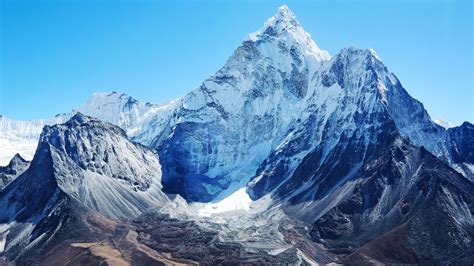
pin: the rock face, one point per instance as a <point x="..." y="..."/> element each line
<point x="15" y="168"/>
<point x="402" y="188"/>
<point x="347" y="121"/>
<point x="89" y="154"/>
<point x="462" y="143"/>
<point x="83" y="163"/>
<point x="461" y="148"/>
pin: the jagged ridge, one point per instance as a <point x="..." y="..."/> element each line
<point x="84" y="163"/>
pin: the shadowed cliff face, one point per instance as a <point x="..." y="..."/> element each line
<point x="402" y="187"/>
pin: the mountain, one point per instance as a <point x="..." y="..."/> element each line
<point x="336" y="141"/>
<point x="461" y="148"/>
<point x="84" y="163"/>
<point x="285" y="155"/>
<point x="91" y="196"/>
<point x="225" y="128"/>
<point x="141" y="121"/>
<point x="15" y="168"/>
<point x="418" y="209"/>
<point x="279" y="86"/>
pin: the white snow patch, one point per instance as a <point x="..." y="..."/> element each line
<point x="3" y="236"/>
<point x="277" y="251"/>
<point x="305" y="259"/>
<point x="239" y="200"/>
<point x="440" y="121"/>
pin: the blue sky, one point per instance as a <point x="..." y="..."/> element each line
<point x="55" y="54"/>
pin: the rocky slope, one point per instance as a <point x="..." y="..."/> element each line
<point x="461" y="148"/>
<point x="84" y="163"/>
<point x="404" y="189"/>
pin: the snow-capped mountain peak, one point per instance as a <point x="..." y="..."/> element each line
<point x="283" y="18"/>
<point x="116" y="108"/>
<point x="16" y="160"/>
<point x="284" y="26"/>
<point x="141" y="121"/>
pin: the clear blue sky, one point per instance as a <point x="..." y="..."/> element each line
<point x="54" y="54"/>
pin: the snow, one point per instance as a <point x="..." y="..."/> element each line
<point x="3" y="236"/>
<point x="440" y="121"/>
<point x="23" y="231"/>
<point x="21" y="136"/>
<point x="305" y="260"/>
<point x="239" y="200"/>
<point x="142" y="122"/>
<point x="267" y="119"/>
<point x="2" y="244"/>
<point x="246" y="109"/>
<point x="8" y="149"/>
<point x="290" y="30"/>
<point x="470" y="167"/>
<point x="248" y="112"/>
<point x="458" y="207"/>
<point x="466" y="169"/>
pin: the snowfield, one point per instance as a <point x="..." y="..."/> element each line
<point x="239" y="200"/>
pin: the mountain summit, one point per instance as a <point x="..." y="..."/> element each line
<point x="278" y="86"/>
<point x="285" y="27"/>
<point x="241" y="113"/>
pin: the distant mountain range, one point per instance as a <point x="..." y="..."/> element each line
<point x="285" y="155"/>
